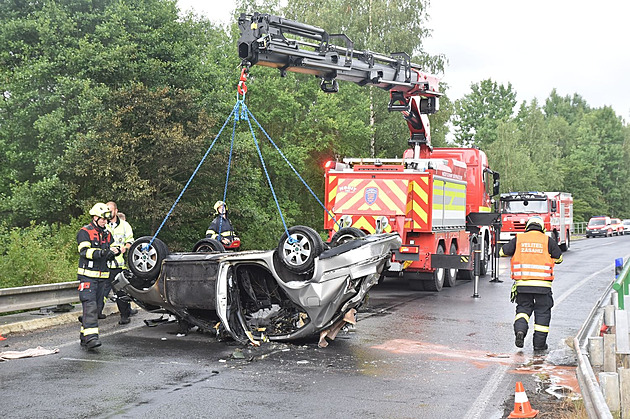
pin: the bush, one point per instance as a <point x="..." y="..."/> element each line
<point x="38" y="254"/>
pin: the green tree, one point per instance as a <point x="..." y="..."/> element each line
<point x="479" y="112"/>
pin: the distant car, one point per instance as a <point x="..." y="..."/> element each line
<point x="301" y="288"/>
<point x="617" y="226"/>
<point x="599" y="226"/>
<point x="626" y="226"/>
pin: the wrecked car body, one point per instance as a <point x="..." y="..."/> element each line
<point x="303" y="288"/>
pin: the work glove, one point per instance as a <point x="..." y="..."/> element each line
<point x="109" y="255"/>
<point x="513" y="293"/>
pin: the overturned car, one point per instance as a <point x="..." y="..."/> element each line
<point x="302" y="288"/>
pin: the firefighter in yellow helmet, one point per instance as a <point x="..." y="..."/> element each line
<point x="221" y="227"/>
<point x="94" y="246"/>
<point x="533" y="257"/>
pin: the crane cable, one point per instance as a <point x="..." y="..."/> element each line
<point x="240" y="111"/>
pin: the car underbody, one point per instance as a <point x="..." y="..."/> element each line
<point x="301" y="289"/>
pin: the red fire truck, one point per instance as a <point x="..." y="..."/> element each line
<point x="437" y="199"/>
<point x="555" y="208"/>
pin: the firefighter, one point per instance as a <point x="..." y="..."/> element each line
<point x="122" y="234"/>
<point x="94" y="245"/>
<point x="221" y="225"/>
<point x="533" y="257"/>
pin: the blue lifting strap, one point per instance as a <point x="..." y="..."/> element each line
<point x="240" y="111"/>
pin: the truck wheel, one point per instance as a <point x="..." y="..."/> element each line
<point x="566" y="245"/>
<point x="451" y="274"/>
<point x="208" y="245"/>
<point x="299" y="250"/>
<point x="437" y="281"/>
<point x="483" y="266"/>
<point x="345" y="235"/>
<point x="145" y="261"/>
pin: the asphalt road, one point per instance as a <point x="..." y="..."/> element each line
<point x="413" y="354"/>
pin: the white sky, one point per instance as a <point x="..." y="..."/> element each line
<point x="576" y="46"/>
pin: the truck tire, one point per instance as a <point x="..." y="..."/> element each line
<point x="567" y="244"/>
<point x="300" y="248"/>
<point x="346" y="234"/>
<point x="483" y="267"/>
<point x="437" y="278"/>
<point x="145" y="261"/>
<point x="451" y="274"/>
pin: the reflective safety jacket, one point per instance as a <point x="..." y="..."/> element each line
<point x="220" y="226"/>
<point x="532" y="264"/>
<point x="93" y="244"/>
<point x="122" y="234"/>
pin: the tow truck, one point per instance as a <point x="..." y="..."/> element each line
<point x="437" y="199"/>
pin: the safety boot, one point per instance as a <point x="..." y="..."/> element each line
<point x="542" y="348"/>
<point x="124" y="320"/>
<point x="92" y="342"/>
<point x="520" y="339"/>
<point x="82" y="339"/>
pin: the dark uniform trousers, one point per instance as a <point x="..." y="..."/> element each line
<point x="124" y="307"/>
<point x="540" y="305"/>
<point x="90" y="290"/>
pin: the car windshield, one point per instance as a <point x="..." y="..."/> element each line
<point x="525" y="206"/>
<point x="597" y="222"/>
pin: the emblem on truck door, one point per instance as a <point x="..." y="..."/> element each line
<point x="371" y="194"/>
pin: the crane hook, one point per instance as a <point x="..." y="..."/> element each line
<point x="242" y="87"/>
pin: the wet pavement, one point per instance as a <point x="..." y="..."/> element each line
<point x="413" y="354"/>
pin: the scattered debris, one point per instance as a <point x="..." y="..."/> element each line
<point x="28" y="353"/>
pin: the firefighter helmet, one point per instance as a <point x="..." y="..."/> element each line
<point x="218" y="205"/>
<point x="101" y="210"/>
<point x="535" y="223"/>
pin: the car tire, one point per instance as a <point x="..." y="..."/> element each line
<point x="146" y="262"/>
<point x="208" y="246"/>
<point x="345" y="235"/>
<point x="437" y="278"/>
<point x="300" y="248"/>
<point x="451" y="274"/>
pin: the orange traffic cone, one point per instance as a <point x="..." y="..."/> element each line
<point x="522" y="409"/>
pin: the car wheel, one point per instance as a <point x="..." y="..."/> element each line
<point x="437" y="281"/>
<point x="451" y="274"/>
<point x="145" y="261"/>
<point x="300" y="248"/>
<point x="208" y="245"/>
<point x="345" y="235"/>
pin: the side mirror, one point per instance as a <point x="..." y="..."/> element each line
<point x="496" y="184"/>
<point x="554" y="206"/>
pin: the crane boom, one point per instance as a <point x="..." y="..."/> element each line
<point x="415" y="94"/>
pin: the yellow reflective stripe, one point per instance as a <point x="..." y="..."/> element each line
<point x="84" y="244"/>
<point x="522" y="316"/>
<point x="90" y="331"/>
<point x="93" y="274"/>
<point x="226" y="233"/>
<point x="90" y="253"/>
<point x="484" y="209"/>
<point x="541" y="328"/>
<point x="533" y="283"/>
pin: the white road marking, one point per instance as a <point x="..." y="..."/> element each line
<point x="487" y="393"/>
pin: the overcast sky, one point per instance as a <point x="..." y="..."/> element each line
<point x="576" y="46"/>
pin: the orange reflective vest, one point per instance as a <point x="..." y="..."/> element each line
<point x="532" y="264"/>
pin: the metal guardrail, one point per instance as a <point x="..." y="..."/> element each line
<point x="594" y="401"/>
<point x="579" y="228"/>
<point x="38" y="296"/>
